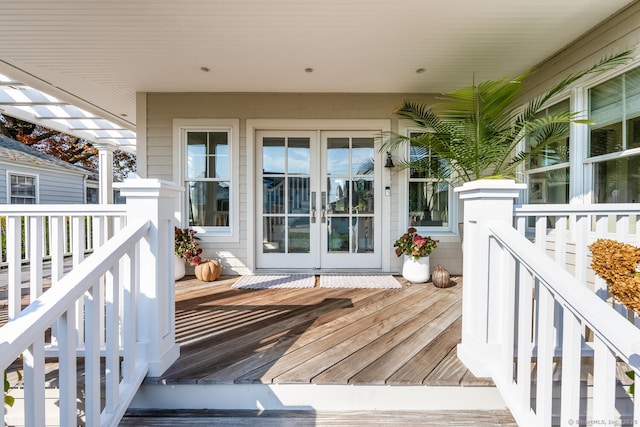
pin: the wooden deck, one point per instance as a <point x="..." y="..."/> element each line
<point x="402" y="336"/>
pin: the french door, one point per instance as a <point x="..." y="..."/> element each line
<point x="318" y="200"/>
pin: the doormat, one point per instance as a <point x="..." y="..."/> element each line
<point x="275" y="281"/>
<point x="358" y="281"/>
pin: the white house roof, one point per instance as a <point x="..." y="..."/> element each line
<point x="97" y="55"/>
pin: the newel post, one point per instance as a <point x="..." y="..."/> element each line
<point x="155" y="200"/>
<point x="484" y="201"/>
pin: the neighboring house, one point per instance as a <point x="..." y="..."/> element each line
<point x="274" y="180"/>
<point x="28" y="176"/>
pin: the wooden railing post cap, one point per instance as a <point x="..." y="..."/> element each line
<point x="133" y="187"/>
<point x="490" y="188"/>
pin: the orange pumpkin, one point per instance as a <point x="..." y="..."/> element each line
<point x="209" y="270"/>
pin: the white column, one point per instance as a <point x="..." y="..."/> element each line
<point x="105" y="171"/>
<point x="484" y="201"/>
<point x="156" y="200"/>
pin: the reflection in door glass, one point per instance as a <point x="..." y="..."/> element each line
<point x="273" y="235"/>
<point x="362" y="156"/>
<point x="362" y="196"/>
<point x="338" y="234"/>
<point x="298" y="195"/>
<point x="338" y="156"/>
<point x="273" y="195"/>
<point x="338" y="195"/>
<point x="362" y="234"/>
<point x="273" y="155"/>
<point x="299" y="156"/>
<point x="299" y="237"/>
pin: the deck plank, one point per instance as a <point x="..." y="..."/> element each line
<point x="336" y="349"/>
<point x="420" y="365"/>
<point x="388" y="338"/>
<point x="449" y="371"/>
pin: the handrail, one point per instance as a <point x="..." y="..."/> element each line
<point x="584" y="209"/>
<point x="33" y="321"/>
<point x="612" y="328"/>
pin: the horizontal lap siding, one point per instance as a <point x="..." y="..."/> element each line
<point x="53" y="188"/>
<point x="162" y="108"/>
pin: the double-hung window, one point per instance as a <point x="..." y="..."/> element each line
<point x="429" y="195"/>
<point x="23" y="189"/>
<point x="548" y="168"/>
<point x="614" y="145"/>
<point x="210" y="176"/>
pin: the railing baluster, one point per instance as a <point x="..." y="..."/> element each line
<point x="66" y="338"/>
<point x="77" y="250"/>
<point x="14" y="259"/>
<point x="544" y="361"/>
<point x="99" y="238"/>
<point x="129" y="308"/>
<point x="34" y="397"/>
<point x="92" y="357"/>
<point x="112" y="360"/>
<point x="571" y="354"/>
<point x="604" y="381"/>
<point x="35" y="265"/>
<point x="525" y="346"/>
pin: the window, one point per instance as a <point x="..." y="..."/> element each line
<point x="207" y="178"/>
<point x="548" y="168"/>
<point x="429" y="196"/>
<point x="614" y="145"/>
<point x="23" y="189"/>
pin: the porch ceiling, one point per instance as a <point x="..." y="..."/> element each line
<point x="97" y="55"/>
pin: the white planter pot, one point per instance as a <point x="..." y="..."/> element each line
<point x="179" y="268"/>
<point x="416" y="270"/>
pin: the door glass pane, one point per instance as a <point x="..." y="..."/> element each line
<point x="273" y="235"/>
<point x="362" y="156"/>
<point x="363" y="234"/>
<point x="273" y="156"/>
<point x="338" y="156"/>
<point x="273" y="195"/>
<point x="338" y="234"/>
<point x="362" y="201"/>
<point x="338" y="195"/>
<point x="299" y="156"/>
<point x="299" y="235"/>
<point x="299" y="195"/>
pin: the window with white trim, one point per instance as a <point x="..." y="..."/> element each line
<point x="23" y="189"/>
<point x="614" y="143"/>
<point x="208" y="178"/>
<point x="429" y="197"/>
<point x="547" y="169"/>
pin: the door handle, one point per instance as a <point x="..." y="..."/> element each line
<point x="323" y="212"/>
<point x="313" y="207"/>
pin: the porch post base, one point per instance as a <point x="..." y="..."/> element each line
<point x="158" y="367"/>
<point x="476" y="358"/>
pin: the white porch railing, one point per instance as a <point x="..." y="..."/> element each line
<point x="554" y="348"/>
<point x="117" y="304"/>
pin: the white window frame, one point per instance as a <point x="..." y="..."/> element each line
<point x="406" y="127"/>
<point x="584" y="163"/>
<point x="181" y="127"/>
<point x="35" y="177"/>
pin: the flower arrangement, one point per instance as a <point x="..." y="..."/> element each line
<point x="415" y="245"/>
<point x="186" y="245"/>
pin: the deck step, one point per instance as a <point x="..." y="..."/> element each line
<point x="142" y="418"/>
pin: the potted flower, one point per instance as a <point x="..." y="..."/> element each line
<point x="416" y="250"/>
<point x="185" y="248"/>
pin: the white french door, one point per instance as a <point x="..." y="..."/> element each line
<point x="318" y="200"/>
